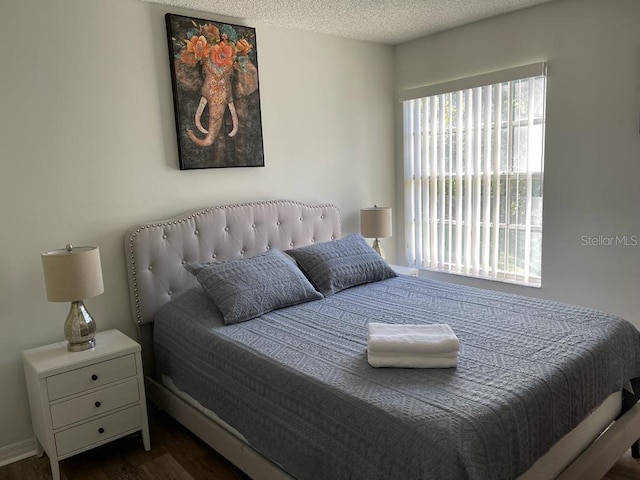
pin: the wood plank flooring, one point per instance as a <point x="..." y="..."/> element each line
<point x="176" y="454"/>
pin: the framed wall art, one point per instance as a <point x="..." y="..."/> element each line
<point x="216" y="96"/>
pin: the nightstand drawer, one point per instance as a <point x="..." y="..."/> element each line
<point x="87" y="434"/>
<point x="96" y="375"/>
<point x="94" y="403"/>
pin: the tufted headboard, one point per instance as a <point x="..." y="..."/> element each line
<point x="157" y="251"/>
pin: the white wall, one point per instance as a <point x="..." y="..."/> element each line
<point x="592" y="162"/>
<point x="88" y="148"/>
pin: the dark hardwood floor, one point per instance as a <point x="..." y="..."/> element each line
<point x="176" y="454"/>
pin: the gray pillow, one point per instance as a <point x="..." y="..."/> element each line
<point x="247" y="288"/>
<point x="338" y="264"/>
<point x="196" y="268"/>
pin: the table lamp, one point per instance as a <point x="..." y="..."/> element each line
<point x="375" y="222"/>
<point x="71" y="275"/>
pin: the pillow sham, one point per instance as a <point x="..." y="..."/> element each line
<point x="247" y="288"/>
<point x="338" y="264"/>
<point x="195" y="268"/>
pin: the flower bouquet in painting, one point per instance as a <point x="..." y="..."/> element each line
<point x="214" y="70"/>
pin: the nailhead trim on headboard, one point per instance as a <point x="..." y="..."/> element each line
<point x="156" y="252"/>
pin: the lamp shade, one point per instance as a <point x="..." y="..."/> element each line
<point x="375" y="222"/>
<point x="72" y="274"/>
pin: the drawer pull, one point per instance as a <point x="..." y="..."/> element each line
<point x="94" y="377"/>
<point x="98" y="404"/>
<point x="101" y="430"/>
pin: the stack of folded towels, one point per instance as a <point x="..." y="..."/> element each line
<point x="412" y="346"/>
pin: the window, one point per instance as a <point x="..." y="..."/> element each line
<point x="474" y="173"/>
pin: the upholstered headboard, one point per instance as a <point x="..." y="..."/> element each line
<point x="156" y="252"/>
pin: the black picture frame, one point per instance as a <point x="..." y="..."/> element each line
<point x="216" y="94"/>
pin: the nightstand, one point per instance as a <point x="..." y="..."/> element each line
<point x="80" y="400"/>
<point x="402" y="270"/>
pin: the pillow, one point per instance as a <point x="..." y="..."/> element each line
<point x="247" y="288"/>
<point x="196" y="268"/>
<point x="338" y="264"/>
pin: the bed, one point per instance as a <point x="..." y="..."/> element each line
<point x="289" y="394"/>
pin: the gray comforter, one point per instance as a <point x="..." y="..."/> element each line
<point x="296" y="382"/>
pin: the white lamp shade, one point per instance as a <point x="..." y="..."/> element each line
<point x="375" y="222"/>
<point x="72" y="274"/>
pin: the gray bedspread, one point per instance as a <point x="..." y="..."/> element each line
<point x="296" y="382"/>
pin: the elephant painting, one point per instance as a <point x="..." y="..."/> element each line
<point x="216" y="96"/>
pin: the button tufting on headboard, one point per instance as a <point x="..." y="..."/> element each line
<point x="157" y="252"/>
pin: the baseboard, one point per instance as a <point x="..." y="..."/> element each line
<point x="17" y="451"/>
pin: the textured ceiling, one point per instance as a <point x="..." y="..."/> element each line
<point x="383" y="21"/>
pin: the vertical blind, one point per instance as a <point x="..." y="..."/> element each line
<point x="474" y="175"/>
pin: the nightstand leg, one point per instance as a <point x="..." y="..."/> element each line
<point x="55" y="469"/>
<point x="146" y="440"/>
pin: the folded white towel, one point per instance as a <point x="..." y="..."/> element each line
<point x="413" y="360"/>
<point x="412" y="339"/>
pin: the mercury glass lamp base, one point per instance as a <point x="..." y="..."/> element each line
<point x="79" y="347"/>
<point x="378" y="248"/>
<point x="80" y="328"/>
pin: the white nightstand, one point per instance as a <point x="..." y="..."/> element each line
<point x="401" y="270"/>
<point x="80" y="400"/>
